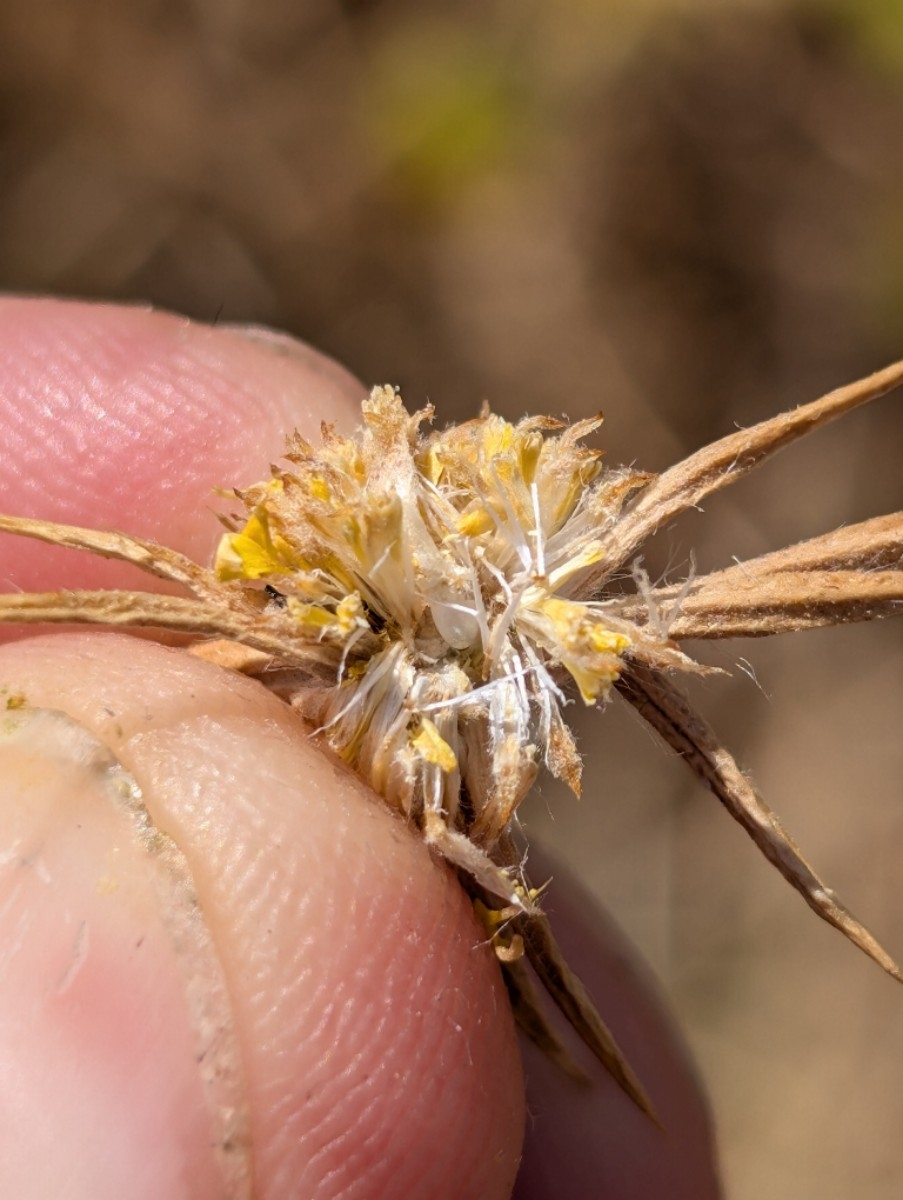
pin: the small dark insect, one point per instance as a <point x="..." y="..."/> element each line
<point x="277" y="599"/>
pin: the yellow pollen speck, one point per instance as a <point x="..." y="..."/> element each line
<point x="320" y="489"/>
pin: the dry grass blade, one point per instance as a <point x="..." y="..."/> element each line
<point x="787" y="603"/>
<point x="570" y="995"/>
<point x="869" y="545"/>
<point x="668" y="712"/>
<point x="142" y="610"/>
<point x="852" y="574"/>
<point x="532" y="1021"/>
<point x="729" y="459"/>
<point x="147" y="556"/>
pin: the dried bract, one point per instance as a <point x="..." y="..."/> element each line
<point x="429" y="601"/>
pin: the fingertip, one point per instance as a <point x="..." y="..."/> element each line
<point x="131" y="419"/>
<point x="376" y="1037"/>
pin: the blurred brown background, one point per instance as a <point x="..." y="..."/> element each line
<point x="686" y="212"/>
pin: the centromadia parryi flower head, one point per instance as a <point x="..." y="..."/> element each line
<point x="444" y="572"/>
<point x="428" y="601"/>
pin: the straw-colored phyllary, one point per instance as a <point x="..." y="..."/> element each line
<point x="432" y="602"/>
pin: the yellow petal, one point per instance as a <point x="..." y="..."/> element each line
<point x="249" y="554"/>
<point x="430" y="745"/>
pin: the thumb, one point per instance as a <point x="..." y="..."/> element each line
<point x="223" y="961"/>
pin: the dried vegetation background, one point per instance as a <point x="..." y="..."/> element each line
<point x="687" y="214"/>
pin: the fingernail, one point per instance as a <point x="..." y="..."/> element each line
<point x="115" y="1037"/>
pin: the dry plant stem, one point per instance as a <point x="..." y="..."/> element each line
<point x="728" y="460"/>
<point x="667" y="710"/>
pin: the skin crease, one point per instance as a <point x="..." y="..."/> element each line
<point x="375" y="1045"/>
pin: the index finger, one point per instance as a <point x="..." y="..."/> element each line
<point x="129" y="419"/>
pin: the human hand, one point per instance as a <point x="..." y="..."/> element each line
<point x="327" y="972"/>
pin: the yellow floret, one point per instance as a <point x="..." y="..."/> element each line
<point x="250" y="554"/>
<point x="430" y="745"/>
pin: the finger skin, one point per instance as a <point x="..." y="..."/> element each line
<point x="128" y="419"/>
<point x="375" y="1037"/>
<point x="98" y="1069"/>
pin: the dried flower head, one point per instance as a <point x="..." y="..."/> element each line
<point x="429" y="601"/>
<point x="440" y="579"/>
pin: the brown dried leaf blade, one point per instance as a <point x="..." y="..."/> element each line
<point x="569" y="994"/>
<point x="532" y="1021"/>
<point x="147" y="556"/>
<point x="112" y="607"/>
<point x="852" y="574"/>
<point x="729" y="459"/>
<point x="668" y="711"/>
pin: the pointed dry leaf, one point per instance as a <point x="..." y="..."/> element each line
<point x="147" y="556"/>
<point x="668" y="711"/>
<point x="788" y="602"/>
<point x="852" y="574"/>
<point x="142" y="610"/>
<point x="727" y="460"/>
<point x="571" y="997"/>
<point x="532" y="1021"/>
